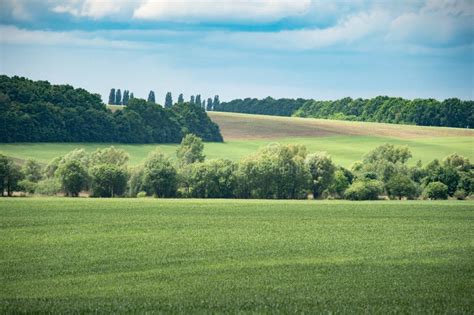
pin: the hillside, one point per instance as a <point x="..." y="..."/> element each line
<point x="245" y="126"/>
<point x="346" y="141"/>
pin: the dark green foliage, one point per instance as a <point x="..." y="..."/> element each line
<point x="444" y="173"/>
<point x="266" y="106"/>
<point x="36" y="111"/>
<point x="168" y="100"/>
<point x="322" y="171"/>
<point x="180" y="99"/>
<point x="10" y="175"/>
<point x="198" y="100"/>
<point x="194" y="119"/>
<point x="192" y="100"/>
<point x="211" y="179"/>
<point x="132" y="96"/>
<point x="340" y="183"/>
<point x="364" y="190"/>
<point x="108" y="180"/>
<point x="151" y="97"/>
<point x="73" y="177"/>
<point x="118" y="97"/>
<point x="436" y="190"/>
<point x="112" y="97"/>
<point x="160" y="176"/>
<point x="126" y="97"/>
<point x="209" y="104"/>
<point x="216" y="101"/>
<point x="276" y="171"/>
<point x="426" y="112"/>
<point x="400" y="186"/>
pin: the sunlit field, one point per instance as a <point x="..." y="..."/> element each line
<point x="245" y="134"/>
<point x="119" y="255"/>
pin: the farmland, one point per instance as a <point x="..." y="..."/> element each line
<point x="84" y="255"/>
<point x="244" y="134"/>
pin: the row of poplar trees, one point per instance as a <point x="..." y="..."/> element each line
<point x="115" y="98"/>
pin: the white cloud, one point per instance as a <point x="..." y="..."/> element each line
<point x="347" y="31"/>
<point x="220" y="10"/>
<point x="15" y="35"/>
<point x="436" y="23"/>
<point x="89" y="8"/>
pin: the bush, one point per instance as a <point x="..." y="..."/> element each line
<point x="460" y="194"/>
<point x="364" y="190"/>
<point x="401" y="186"/>
<point x="48" y="186"/>
<point x="141" y="194"/>
<point x="160" y="176"/>
<point x="73" y="176"/>
<point x="27" y="186"/>
<point x="436" y="190"/>
<point x="108" y="180"/>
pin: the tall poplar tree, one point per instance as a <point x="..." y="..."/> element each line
<point x="118" y="97"/>
<point x="151" y="97"/>
<point x="126" y="97"/>
<point x="112" y="97"/>
<point x="168" y="100"/>
<point x="209" y="104"/>
<point x="198" y="100"/>
<point x="180" y="99"/>
<point x="216" y="101"/>
<point x="191" y="101"/>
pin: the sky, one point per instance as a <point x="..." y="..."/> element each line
<point x="318" y="49"/>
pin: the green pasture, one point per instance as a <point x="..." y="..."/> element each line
<point x="344" y="149"/>
<point x="60" y="255"/>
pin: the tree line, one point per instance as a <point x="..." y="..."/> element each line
<point x="274" y="172"/>
<point x="115" y="98"/>
<point x="37" y="111"/>
<point x="451" y="112"/>
<point x="266" y="106"/>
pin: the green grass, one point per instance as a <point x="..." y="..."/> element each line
<point x="188" y="256"/>
<point x="344" y="149"/>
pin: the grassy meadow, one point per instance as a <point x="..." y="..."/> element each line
<point x="346" y="141"/>
<point x="187" y="256"/>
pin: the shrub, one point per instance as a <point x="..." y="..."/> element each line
<point x="460" y="194"/>
<point x="48" y="186"/>
<point x="108" y="180"/>
<point x="364" y="190"/>
<point x="401" y="186"/>
<point x="322" y="172"/>
<point x="436" y="190"/>
<point x="27" y="186"/>
<point x="73" y="176"/>
<point x="141" y="194"/>
<point x="340" y="183"/>
<point x="160" y="176"/>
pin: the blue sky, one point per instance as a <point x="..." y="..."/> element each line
<point x="246" y="48"/>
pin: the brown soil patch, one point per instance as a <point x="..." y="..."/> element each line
<point x="243" y="126"/>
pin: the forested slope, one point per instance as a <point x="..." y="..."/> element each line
<point x="37" y="111"/>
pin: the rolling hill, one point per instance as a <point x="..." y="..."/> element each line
<point x="243" y="134"/>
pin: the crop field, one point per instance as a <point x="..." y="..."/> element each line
<point x="245" y="134"/>
<point x="130" y="255"/>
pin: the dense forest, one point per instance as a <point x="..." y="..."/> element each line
<point x="37" y="111"/>
<point x="266" y="106"/>
<point x="424" y="112"/>
<point x="274" y="172"/>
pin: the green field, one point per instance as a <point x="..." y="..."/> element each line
<point x="346" y="141"/>
<point x="185" y="256"/>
